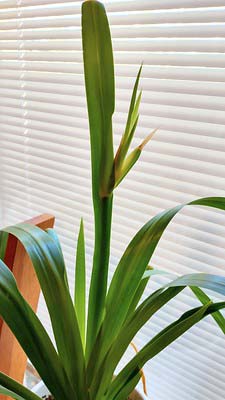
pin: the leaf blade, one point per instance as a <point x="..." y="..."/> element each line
<point x="30" y="333"/>
<point x="3" y="244"/>
<point x="131" y="268"/>
<point x="133" y="324"/>
<point x="160" y="342"/>
<point x="80" y="282"/>
<point x="138" y="253"/>
<point x="99" y="82"/>
<point x="48" y="263"/>
<point x="10" y="387"/>
<point x="100" y="93"/>
<point x="203" y="298"/>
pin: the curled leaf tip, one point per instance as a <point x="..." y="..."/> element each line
<point x="147" y="139"/>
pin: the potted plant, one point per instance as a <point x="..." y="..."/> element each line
<point x="88" y="349"/>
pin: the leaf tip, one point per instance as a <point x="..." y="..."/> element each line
<point x="147" y="139"/>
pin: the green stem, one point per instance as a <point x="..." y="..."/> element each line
<point x="98" y="287"/>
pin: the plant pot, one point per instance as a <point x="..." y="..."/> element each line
<point x="41" y="390"/>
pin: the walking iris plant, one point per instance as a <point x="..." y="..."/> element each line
<point x="82" y="365"/>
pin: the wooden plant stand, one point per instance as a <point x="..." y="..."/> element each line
<point x="13" y="360"/>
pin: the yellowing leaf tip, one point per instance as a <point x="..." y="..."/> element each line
<point x="147" y="139"/>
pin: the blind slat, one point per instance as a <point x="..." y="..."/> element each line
<point x="118" y="4"/>
<point x="55" y="19"/>
<point x="214" y="45"/>
<point x="156" y="58"/>
<point x="19" y="70"/>
<point x="45" y="104"/>
<point x="204" y="30"/>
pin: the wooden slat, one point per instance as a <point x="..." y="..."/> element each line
<point x="9" y="260"/>
<point x="13" y="360"/>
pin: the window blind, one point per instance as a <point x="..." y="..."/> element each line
<point x="45" y="161"/>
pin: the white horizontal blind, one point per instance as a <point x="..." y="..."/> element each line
<point x="45" y="161"/>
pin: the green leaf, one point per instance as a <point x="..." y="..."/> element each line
<point x="128" y="163"/>
<point x="138" y="294"/>
<point x="99" y="82"/>
<point x="31" y="335"/>
<point x="125" y="148"/>
<point x="152" y="304"/>
<point x="133" y="264"/>
<point x="135" y="113"/>
<point x="130" y="126"/>
<point x="12" y="388"/>
<point x="215" y="283"/>
<point x="3" y="244"/>
<point x="54" y="236"/>
<point x="134" y="106"/>
<point x="199" y="293"/>
<point x="130" y="270"/>
<point x="48" y="263"/>
<point x="130" y="160"/>
<point x="158" y="343"/>
<point x="142" y="314"/>
<point x="12" y="395"/>
<point x="135" y="321"/>
<point x="150" y="271"/>
<point x="129" y="385"/>
<point x="99" y="277"/>
<point x="204" y="299"/>
<point x="80" y="283"/>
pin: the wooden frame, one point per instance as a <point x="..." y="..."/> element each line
<point x="12" y="358"/>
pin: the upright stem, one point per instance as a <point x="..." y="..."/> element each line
<point x="98" y="287"/>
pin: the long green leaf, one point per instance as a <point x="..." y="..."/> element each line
<point x="144" y="312"/>
<point x="134" y="106"/>
<point x="54" y="236"/>
<point x="131" y="268"/>
<point x="204" y="299"/>
<point x="135" y="113"/>
<point x="48" y="262"/>
<point x="31" y="335"/>
<point x="158" y="343"/>
<point x="99" y="277"/>
<point x="121" y="154"/>
<point x="130" y="126"/>
<point x="199" y="293"/>
<point x="150" y="271"/>
<point x="129" y="385"/>
<point x="80" y="282"/>
<point x="11" y="394"/>
<point x="138" y="294"/>
<point x="10" y="387"/>
<point x="151" y="305"/>
<point x="3" y="244"/>
<point x="215" y="283"/>
<point x="99" y="81"/>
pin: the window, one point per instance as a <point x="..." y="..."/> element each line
<point x="44" y="148"/>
